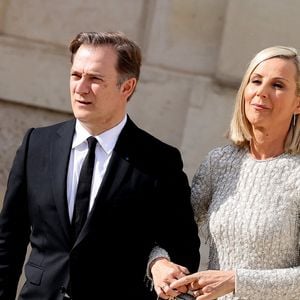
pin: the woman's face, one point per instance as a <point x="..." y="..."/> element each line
<point x="270" y="95"/>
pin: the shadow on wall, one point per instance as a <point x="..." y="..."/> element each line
<point x="2" y="191"/>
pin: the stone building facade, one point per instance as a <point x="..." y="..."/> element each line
<point x="195" y="52"/>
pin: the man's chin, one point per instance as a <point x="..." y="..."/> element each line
<point x="81" y="115"/>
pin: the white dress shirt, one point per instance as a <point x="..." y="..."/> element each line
<point x="106" y="143"/>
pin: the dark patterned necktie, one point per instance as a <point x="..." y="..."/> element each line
<point x="82" y="198"/>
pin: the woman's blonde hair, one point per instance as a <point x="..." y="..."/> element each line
<point x="240" y="128"/>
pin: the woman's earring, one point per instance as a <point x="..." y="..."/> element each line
<point x="294" y="120"/>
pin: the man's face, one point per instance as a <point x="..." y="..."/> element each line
<point x="97" y="102"/>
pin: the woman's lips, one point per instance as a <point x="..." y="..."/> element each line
<point x="259" y="106"/>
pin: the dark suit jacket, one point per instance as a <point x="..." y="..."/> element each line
<point x="143" y="201"/>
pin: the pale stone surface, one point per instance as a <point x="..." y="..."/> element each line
<point x="2" y="192"/>
<point x="186" y="35"/>
<point x="251" y="26"/>
<point x="207" y="121"/>
<point x="161" y="102"/>
<point x="3" y="9"/>
<point x="14" y="121"/>
<point x="58" y="21"/>
<point x="34" y="73"/>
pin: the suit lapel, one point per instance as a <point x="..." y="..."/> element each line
<point x="114" y="176"/>
<point x="112" y="180"/>
<point x="116" y="171"/>
<point x="60" y="153"/>
<point x="119" y="165"/>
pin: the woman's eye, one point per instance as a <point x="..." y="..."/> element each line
<point x="278" y="85"/>
<point x="255" y="81"/>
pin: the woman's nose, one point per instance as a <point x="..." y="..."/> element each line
<point x="262" y="91"/>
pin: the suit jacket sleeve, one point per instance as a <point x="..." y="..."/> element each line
<point x="175" y="228"/>
<point x="14" y="225"/>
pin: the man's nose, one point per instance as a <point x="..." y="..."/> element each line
<point x="83" y="86"/>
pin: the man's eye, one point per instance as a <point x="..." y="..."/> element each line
<point x="97" y="78"/>
<point x="75" y="76"/>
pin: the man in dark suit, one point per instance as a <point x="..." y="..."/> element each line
<point x="139" y="193"/>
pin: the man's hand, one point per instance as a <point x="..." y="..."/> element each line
<point x="164" y="272"/>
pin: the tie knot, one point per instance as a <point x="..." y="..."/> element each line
<point x="92" y="142"/>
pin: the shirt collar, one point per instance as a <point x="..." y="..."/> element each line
<point x="106" y="139"/>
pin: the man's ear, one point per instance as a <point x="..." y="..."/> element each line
<point x="128" y="87"/>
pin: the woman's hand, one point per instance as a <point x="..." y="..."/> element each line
<point x="207" y="285"/>
<point x="164" y="272"/>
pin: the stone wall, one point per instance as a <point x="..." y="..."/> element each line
<point x="15" y="120"/>
<point x="195" y="52"/>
